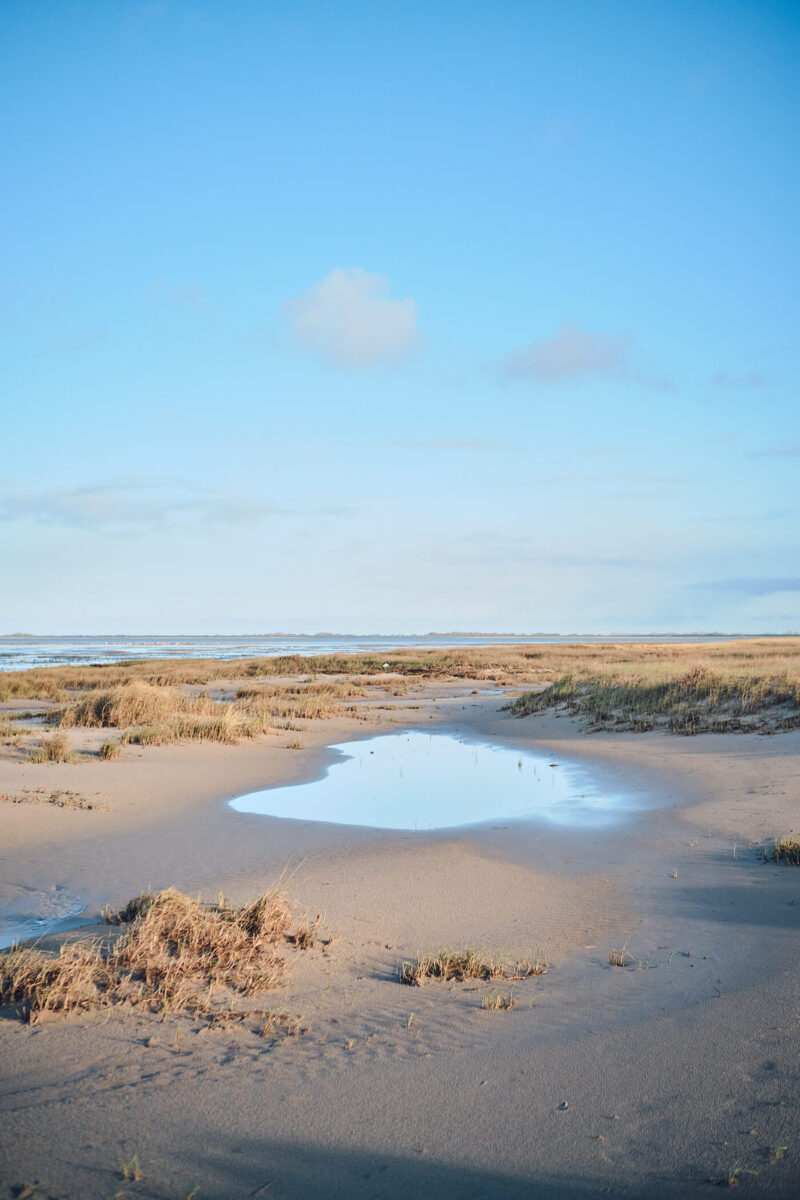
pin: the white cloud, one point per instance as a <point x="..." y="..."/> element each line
<point x="570" y="353"/>
<point x="351" y="319"/>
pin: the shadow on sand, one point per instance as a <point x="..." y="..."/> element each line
<point x="263" y="1171"/>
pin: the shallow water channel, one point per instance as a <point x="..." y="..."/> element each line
<point x="422" y="781"/>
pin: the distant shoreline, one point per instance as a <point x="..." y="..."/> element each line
<point x="668" y="635"/>
<point x="27" y="652"/>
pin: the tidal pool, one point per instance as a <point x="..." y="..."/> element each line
<point x="422" y="781"/>
<point x="27" y="913"/>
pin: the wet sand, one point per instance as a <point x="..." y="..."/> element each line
<point x="672" y="1070"/>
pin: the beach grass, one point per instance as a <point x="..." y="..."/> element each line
<point x="702" y="699"/>
<point x="498" y="1002"/>
<point x="784" y="850"/>
<point x="155" y="715"/>
<point x="53" y="749"/>
<point x="175" y="953"/>
<point x="682" y="687"/>
<point x="459" y="965"/>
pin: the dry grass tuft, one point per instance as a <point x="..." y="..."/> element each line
<point x="12" y="732"/>
<point x="784" y="850"/>
<point x="497" y="1002"/>
<point x="459" y="965"/>
<point x="306" y="935"/>
<point x="176" y="953"/>
<point x="527" y="967"/>
<point x="269" y="916"/>
<point x="132" y="1171"/>
<point x="54" y="749"/>
<point x="78" y="979"/>
<point x="619" y="958"/>
<point x="137" y="907"/>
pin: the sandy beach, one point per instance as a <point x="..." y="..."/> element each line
<point x="400" y="623"/>
<point x="646" y="1081"/>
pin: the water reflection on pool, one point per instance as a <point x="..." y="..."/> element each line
<point x="420" y="781"/>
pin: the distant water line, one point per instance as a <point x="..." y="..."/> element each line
<point x="22" y="653"/>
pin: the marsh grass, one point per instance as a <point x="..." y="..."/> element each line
<point x="157" y="714"/>
<point x="330" y="690"/>
<point x="152" y="715"/>
<point x="784" y="850"/>
<point x="110" y="748"/>
<point x="700" y="700"/>
<point x="498" y="663"/>
<point x="683" y="687"/>
<point x="459" y="965"/>
<point x="174" y="954"/>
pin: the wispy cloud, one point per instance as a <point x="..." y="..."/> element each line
<point x="132" y="504"/>
<point x="751" y="587"/>
<point x="746" y="382"/>
<point x="778" y="450"/>
<point x="569" y="353"/>
<point x="350" y="319"/>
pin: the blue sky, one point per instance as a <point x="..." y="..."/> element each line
<point x="389" y="316"/>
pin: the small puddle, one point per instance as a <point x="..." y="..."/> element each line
<point x="421" y="781"/>
<point x="28" y="913"/>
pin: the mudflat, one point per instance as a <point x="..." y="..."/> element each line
<point x="659" y="1077"/>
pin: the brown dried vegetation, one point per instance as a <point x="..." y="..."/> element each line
<point x="784" y="850"/>
<point x="458" y="965"/>
<point x="58" y="798"/>
<point x="175" y="953"/>
<point x="734" y="696"/>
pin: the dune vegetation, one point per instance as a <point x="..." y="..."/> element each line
<point x="459" y="965"/>
<point x="174" y="954"/>
<point x="149" y="714"/>
<point x="717" y="688"/>
<point x="784" y="850"/>
<point x="680" y="687"/>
